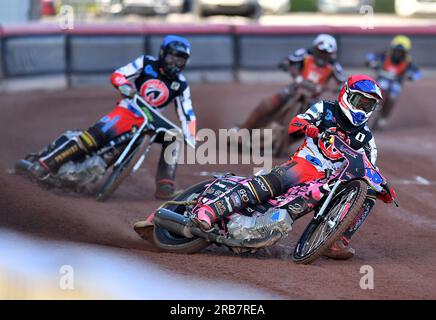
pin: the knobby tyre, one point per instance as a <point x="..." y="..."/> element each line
<point x="340" y="213"/>
<point x="168" y="241"/>
<point x="120" y="173"/>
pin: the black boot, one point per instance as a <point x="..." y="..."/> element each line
<point x="166" y="173"/>
<point x="165" y="189"/>
<point x="50" y="163"/>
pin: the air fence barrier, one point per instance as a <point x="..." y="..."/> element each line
<point x="89" y="53"/>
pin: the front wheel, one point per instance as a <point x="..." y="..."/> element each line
<point x="320" y="234"/>
<point x="120" y="173"/>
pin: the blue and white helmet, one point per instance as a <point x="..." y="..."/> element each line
<point x="359" y="98"/>
<point x="174" y="55"/>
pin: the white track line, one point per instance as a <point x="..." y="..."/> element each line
<point x="418" y="180"/>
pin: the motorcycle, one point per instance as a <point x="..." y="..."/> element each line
<point x="387" y="80"/>
<point x="171" y="227"/>
<point x="121" y="156"/>
<point x="306" y="92"/>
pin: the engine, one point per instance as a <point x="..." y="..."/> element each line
<point x="259" y="226"/>
<point x="88" y="171"/>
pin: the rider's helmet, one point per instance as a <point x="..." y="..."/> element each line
<point x="359" y="97"/>
<point x="400" y="47"/>
<point x="173" y="55"/>
<point x="324" y="49"/>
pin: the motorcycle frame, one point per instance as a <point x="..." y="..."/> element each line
<point x="140" y="132"/>
<point x="344" y="149"/>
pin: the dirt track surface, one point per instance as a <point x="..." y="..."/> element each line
<point x="398" y="243"/>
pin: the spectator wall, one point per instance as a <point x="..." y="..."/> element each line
<point x="91" y="51"/>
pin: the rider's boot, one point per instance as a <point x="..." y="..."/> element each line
<point x="340" y="250"/>
<point x="165" y="189"/>
<point x="69" y="151"/>
<point x="166" y="172"/>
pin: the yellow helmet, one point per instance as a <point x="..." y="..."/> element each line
<point x="401" y="41"/>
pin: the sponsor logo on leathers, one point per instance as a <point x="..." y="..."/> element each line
<point x="155" y="92"/>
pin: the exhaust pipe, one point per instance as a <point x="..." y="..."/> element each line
<point x="173" y="222"/>
<point x="179" y="224"/>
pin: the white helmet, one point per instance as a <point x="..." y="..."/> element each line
<point x="325" y="42"/>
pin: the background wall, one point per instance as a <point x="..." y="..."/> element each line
<point x="88" y="54"/>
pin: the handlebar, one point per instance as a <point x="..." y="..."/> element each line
<point x="327" y="133"/>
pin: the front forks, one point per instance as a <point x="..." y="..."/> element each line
<point x="327" y="201"/>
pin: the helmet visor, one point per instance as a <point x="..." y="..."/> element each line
<point x="322" y="56"/>
<point x="362" y="103"/>
<point x="398" y="54"/>
<point x="175" y="60"/>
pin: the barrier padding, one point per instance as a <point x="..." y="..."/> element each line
<point x="103" y="53"/>
<point x="208" y="51"/>
<point x="34" y="55"/>
<point x="34" y="49"/>
<point x="262" y="51"/>
<point x="1" y="58"/>
<point x="353" y="50"/>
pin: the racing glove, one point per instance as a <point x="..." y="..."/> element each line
<point x="127" y="90"/>
<point x="311" y="131"/>
<point x="298" y="125"/>
<point x="385" y="196"/>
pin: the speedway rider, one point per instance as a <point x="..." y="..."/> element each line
<point x="159" y="81"/>
<point x="398" y="62"/>
<point x="313" y="160"/>
<point x="317" y="65"/>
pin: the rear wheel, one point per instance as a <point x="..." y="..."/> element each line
<point x="120" y="173"/>
<point x="342" y="210"/>
<point x="168" y="241"/>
